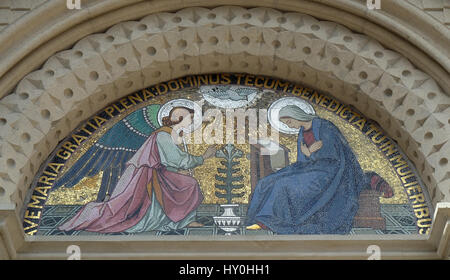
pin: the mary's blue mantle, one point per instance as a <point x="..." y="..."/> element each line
<point x="315" y="195"/>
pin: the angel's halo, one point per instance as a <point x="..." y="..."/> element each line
<point x="165" y="109"/>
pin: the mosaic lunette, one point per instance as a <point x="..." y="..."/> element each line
<point x="135" y="118"/>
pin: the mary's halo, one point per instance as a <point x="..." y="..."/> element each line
<point x="274" y="110"/>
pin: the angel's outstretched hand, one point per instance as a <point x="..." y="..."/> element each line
<point x="210" y="152"/>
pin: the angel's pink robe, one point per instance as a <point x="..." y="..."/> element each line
<point x="177" y="194"/>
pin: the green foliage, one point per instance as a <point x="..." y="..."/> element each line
<point x="226" y="178"/>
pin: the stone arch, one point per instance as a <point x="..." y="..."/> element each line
<point x="59" y="28"/>
<point x="73" y="84"/>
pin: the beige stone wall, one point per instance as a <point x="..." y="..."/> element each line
<point x="412" y="104"/>
<point x="12" y="10"/>
<point x="438" y="9"/>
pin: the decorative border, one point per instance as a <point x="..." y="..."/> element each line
<point x="50" y="171"/>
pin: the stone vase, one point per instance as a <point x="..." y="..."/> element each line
<point x="228" y="221"/>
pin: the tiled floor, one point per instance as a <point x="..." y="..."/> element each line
<point x="399" y="220"/>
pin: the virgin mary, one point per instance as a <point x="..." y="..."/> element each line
<point x="152" y="193"/>
<point x="318" y="194"/>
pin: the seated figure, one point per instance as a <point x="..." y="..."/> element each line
<point x="318" y="194"/>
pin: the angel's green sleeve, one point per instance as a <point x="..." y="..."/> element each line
<point x="172" y="156"/>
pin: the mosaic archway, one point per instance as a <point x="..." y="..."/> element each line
<point x="329" y="170"/>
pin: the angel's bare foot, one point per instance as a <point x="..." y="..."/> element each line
<point x="195" y="224"/>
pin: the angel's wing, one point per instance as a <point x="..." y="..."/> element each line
<point x="111" y="152"/>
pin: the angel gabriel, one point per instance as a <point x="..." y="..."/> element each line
<point x="153" y="192"/>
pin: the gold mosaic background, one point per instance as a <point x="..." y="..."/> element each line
<point x="369" y="157"/>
